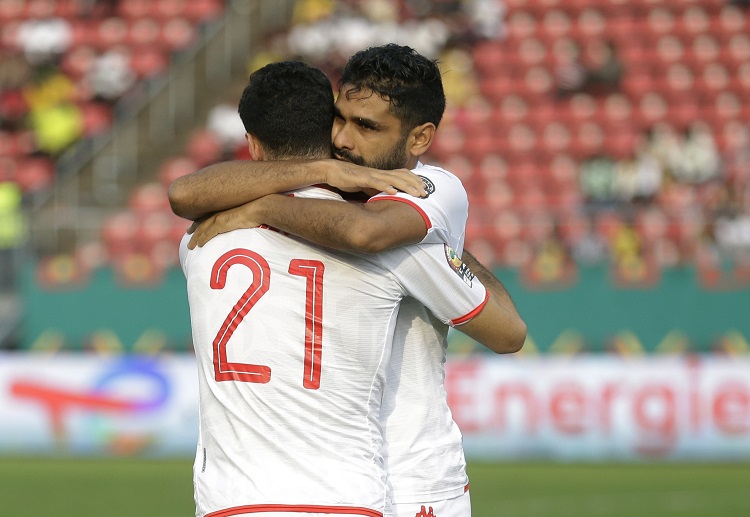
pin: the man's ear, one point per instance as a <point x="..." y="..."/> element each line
<point x="256" y="149"/>
<point x="420" y="138"/>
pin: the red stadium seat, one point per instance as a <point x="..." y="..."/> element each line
<point x="134" y="8"/>
<point x="144" y="32"/>
<point x="693" y="21"/>
<point x="97" y="117"/>
<point x="660" y="20"/>
<point x="119" y="233"/>
<point x="203" y="147"/>
<point x="111" y="32"/>
<point x="588" y="140"/>
<point x="652" y="108"/>
<point x="520" y="25"/>
<point x="148" y="198"/>
<point x="704" y="49"/>
<point x="155" y="227"/>
<point x="731" y="20"/>
<point x="556" y="23"/>
<point x="488" y="56"/>
<point x="174" y="168"/>
<point x="39" y="8"/>
<point x="77" y="62"/>
<point x="177" y="34"/>
<point x="591" y="23"/>
<point x="498" y="195"/>
<point x="148" y="61"/>
<point x="35" y="174"/>
<point x="168" y="9"/>
<point x="203" y="10"/>
<point x="11" y="10"/>
<point x="83" y="33"/>
<point x="739" y="48"/>
<point x="8" y="168"/>
<point x="531" y="52"/>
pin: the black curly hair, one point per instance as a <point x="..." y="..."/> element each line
<point x="399" y="74"/>
<point x="288" y="107"/>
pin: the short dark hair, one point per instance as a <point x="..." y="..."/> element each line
<point x="411" y="82"/>
<point x="288" y="107"/>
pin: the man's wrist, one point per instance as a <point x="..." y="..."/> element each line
<point x="317" y="171"/>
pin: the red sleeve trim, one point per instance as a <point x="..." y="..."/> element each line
<point x="416" y="207"/>
<point x="265" y="508"/>
<point x="467" y="317"/>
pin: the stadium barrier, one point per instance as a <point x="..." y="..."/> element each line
<point x="587" y="408"/>
<point x="107" y="310"/>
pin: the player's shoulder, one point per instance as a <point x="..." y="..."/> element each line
<point x="435" y="171"/>
<point x="438" y="180"/>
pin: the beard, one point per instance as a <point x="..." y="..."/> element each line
<point x="394" y="158"/>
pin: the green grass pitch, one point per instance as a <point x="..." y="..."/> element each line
<point x="36" y="487"/>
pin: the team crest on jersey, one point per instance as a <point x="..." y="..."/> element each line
<point x="429" y="186"/>
<point x="458" y="266"/>
<point x="423" y="512"/>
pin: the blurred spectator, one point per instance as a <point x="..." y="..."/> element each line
<point x="98" y="8"/>
<point x="57" y="127"/>
<point x="603" y="68"/>
<point x="12" y="233"/>
<point x="639" y="178"/>
<point x="487" y="18"/>
<point x="274" y="48"/>
<point x="552" y="262"/>
<point x="225" y="123"/>
<point x="329" y="39"/>
<point x="696" y="159"/>
<point x="626" y="244"/>
<point x="311" y="11"/>
<point x="569" y="70"/>
<point x="55" y="119"/>
<point x="590" y="247"/>
<point x="597" y="73"/>
<point x="664" y="144"/>
<point x="597" y="180"/>
<point x="459" y="77"/>
<point x="44" y="39"/>
<point x="15" y="71"/>
<point x="111" y="76"/>
<point x="733" y="235"/>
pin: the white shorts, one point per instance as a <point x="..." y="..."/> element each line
<point x="344" y="512"/>
<point x="298" y="514"/>
<point x="457" y="507"/>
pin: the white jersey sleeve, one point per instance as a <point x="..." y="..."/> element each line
<point x="444" y="210"/>
<point x="452" y="293"/>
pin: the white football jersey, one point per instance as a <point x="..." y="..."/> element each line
<point x="423" y="445"/>
<point x="292" y="343"/>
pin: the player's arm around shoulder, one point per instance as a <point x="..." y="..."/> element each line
<point x="399" y="219"/>
<point x="498" y="326"/>
<point x="385" y="225"/>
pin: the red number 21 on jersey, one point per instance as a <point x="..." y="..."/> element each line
<point x="312" y="271"/>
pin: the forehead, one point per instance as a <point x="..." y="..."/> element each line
<point x="363" y="103"/>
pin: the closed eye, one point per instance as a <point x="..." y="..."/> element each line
<point x="367" y="124"/>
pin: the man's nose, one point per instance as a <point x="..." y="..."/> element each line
<point x="340" y="138"/>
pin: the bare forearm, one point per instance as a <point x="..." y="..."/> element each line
<point x="332" y="224"/>
<point x="229" y="184"/>
<point x="490" y="281"/>
<point x="499" y="327"/>
<point x="364" y="228"/>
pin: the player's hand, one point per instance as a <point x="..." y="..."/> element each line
<point x="350" y="177"/>
<point x="206" y="228"/>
